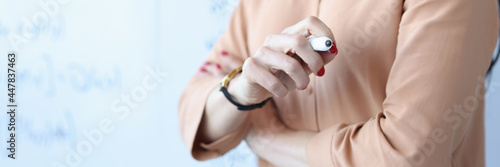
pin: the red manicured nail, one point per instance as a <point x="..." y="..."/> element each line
<point x="333" y="49"/>
<point x="321" y="71"/>
<point x="202" y="69"/>
<point x="206" y="63"/>
<point x="223" y="53"/>
<point x="218" y="66"/>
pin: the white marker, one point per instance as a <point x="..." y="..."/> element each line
<point x="321" y="43"/>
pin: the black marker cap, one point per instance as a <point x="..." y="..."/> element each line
<point x="328" y="43"/>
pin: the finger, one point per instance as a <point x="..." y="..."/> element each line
<point x="296" y="44"/>
<point x="261" y="76"/>
<point x="310" y="26"/>
<point x="329" y="56"/>
<point x="314" y="26"/>
<point x="280" y="61"/>
<point x="202" y="72"/>
<point x="214" y="69"/>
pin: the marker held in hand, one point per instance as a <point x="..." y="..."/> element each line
<point x="321" y="43"/>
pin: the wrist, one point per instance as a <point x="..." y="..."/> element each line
<point x="243" y="102"/>
<point x="236" y="90"/>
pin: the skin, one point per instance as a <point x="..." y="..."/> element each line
<point x="283" y="63"/>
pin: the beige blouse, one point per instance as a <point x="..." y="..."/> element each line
<point x="406" y="89"/>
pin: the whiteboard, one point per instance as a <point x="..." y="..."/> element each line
<point x="98" y="82"/>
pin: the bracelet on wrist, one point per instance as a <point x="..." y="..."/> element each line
<point x="223" y="89"/>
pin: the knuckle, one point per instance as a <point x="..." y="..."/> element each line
<point x="312" y="20"/>
<point x="286" y="30"/>
<point x="303" y="85"/>
<point x="248" y="64"/>
<point x="299" y="41"/>
<point x="306" y="83"/>
<point x="275" y="87"/>
<point x="269" y="38"/>
<point x="247" y="68"/>
<point x="260" y="51"/>
<point x="291" y="65"/>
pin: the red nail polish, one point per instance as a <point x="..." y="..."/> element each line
<point x="321" y="71"/>
<point x="223" y="53"/>
<point x="206" y="63"/>
<point x="202" y="69"/>
<point x="218" y="66"/>
<point x="333" y="49"/>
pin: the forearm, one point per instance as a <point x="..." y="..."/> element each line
<point x="220" y="117"/>
<point x="285" y="148"/>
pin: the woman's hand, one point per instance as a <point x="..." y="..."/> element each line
<point x="271" y="140"/>
<point x="283" y="63"/>
<point x="227" y="63"/>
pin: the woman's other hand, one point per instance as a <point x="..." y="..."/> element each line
<point x="227" y="63"/>
<point x="271" y="140"/>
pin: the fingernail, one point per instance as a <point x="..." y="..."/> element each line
<point x="223" y="53"/>
<point x="202" y="69"/>
<point x="321" y="71"/>
<point x="333" y="49"/>
<point x="206" y="63"/>
<point x="218" y="66"/>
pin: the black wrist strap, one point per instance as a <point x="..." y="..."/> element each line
<point x="223" y="88"/>
<point x="238" y="105"/>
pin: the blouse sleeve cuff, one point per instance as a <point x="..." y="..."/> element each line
<point x="318" y="150"/>
<point x="227" y="142"/>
